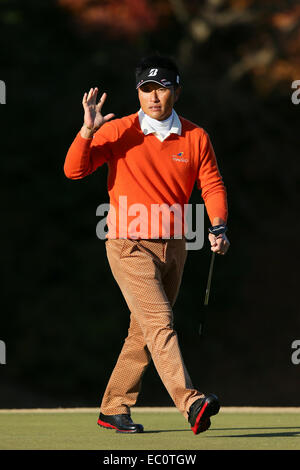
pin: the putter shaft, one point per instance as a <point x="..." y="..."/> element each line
<point x="209" y="279"/>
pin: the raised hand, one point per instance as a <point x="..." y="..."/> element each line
<point x="93" y="118"/>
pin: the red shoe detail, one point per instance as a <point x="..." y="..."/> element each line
<point x="110" y="426"/>
<point x="105" y="425"/>
<point x="202" y="425"/>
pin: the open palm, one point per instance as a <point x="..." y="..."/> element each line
<point x="93" y="118"/>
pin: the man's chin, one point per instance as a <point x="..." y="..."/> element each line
<point x="159" y="115"/>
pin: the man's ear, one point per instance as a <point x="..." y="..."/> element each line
<point x="177" y="92"/>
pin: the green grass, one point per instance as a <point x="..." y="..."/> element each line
<point x="163" y="431"/>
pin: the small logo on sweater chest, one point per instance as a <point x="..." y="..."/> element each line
<point x="179" y="158"/>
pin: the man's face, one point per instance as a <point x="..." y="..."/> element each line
<point x="157" y="101"/>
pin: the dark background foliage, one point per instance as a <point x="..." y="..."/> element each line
<point x="63" y="318"/>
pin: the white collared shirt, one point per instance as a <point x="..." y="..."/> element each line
<point x="161" y="129"/>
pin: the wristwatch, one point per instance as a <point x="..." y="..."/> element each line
<point x="217" y="229"/>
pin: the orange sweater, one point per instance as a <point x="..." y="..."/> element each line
<point x="145" y="173"/>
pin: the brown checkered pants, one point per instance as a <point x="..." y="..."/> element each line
<point x="149" y="274"/>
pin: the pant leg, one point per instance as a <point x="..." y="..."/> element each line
<point x="138" y="268"/>
<point x="172" y="272"/>
<point x="124" y="385"/>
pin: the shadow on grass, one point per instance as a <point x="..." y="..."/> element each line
<point x="166" y="430"/>
<point x="294" y="433"/>
<point x="260" y="427"/>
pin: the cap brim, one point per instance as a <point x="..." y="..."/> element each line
<point x="155" y="81"/>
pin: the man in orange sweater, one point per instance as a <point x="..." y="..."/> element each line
<point x="154" y="158"/>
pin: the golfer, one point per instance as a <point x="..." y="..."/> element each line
<point x="154" y="158"/>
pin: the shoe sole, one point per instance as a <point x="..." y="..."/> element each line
<point x="202" y="423"/>
<point x="104" y="425"/>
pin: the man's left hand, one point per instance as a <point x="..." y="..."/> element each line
<point x="219" y="244"/>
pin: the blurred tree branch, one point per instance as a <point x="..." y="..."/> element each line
<point x="261" y="40"/>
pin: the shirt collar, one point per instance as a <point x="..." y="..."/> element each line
<point x="174" y="129"/>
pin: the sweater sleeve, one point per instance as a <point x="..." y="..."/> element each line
<point x="210" y="182"/>
<point x="86" y="155"/>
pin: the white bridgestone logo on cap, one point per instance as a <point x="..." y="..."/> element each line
<point x="153" y="72"/>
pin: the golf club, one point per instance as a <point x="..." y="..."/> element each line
<point x="207" y="290"/>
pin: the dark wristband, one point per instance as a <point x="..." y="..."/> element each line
<point x="217" y="229"/>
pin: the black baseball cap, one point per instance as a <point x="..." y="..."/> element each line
<point x="160" y="75"/>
